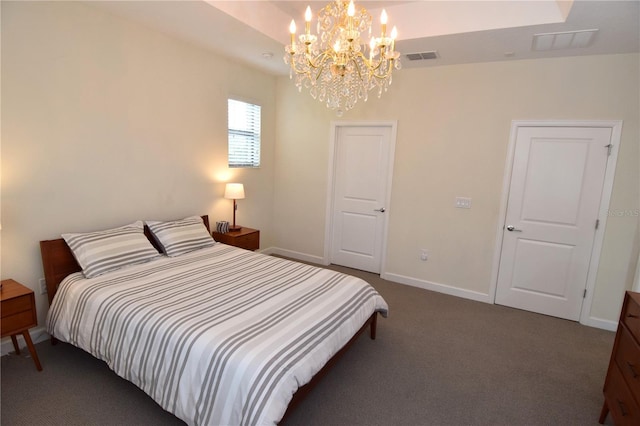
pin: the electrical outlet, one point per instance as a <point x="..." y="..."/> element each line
<point x="463" y="202"/>
<point x="43" y="286"/>
<point x="424" y="255"/>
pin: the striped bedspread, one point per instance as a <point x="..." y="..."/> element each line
<point x="219" y="336"/>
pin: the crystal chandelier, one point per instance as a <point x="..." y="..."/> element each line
<point x="336" y="66"/>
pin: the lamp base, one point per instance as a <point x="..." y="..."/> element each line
<point x="235" y="228"/>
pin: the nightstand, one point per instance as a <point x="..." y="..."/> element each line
<point x="18" y="315"/>
<point x="245" y="238"/>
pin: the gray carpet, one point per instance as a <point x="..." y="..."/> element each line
<point x="438" y="360"/>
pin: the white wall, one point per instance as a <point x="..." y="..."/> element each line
<point x="105" y="122"/>
<point x="453" y="131"/>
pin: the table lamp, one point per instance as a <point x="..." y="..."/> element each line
<point x="234" y="191"/>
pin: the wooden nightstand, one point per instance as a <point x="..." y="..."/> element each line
<point x="246" y="238"/>
<point x="18" y="315"/>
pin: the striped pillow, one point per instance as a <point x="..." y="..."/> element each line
<point x="104" y="251"/>
<point x="181" y="236"/>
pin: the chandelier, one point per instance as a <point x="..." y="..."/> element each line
<point x="335" y="65"/>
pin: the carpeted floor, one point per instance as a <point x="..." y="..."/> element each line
<point x="438" y="360"/>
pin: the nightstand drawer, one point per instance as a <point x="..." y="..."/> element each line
<point x="13" y="323"/>
<point x="631" y="317"/>
<point x="15" y="305"/>
<point x="622" y="406"/>
<point x="18" y="307"/>
<point x="249" y="241"/>
<point x="246" y="238"/>
<point x="628" y="359"/>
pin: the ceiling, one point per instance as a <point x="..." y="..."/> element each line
<point x="255" y="32"/>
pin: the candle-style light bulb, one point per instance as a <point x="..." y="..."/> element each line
<point x="351" y="9"/>
<point x="383" y="21"/>
<point x="292" y="30"/>
<point x="336" y="46"/>
<point x="372" y="46"/>
<point x="394" y="35"/>
<point x="307" y="20"/>
<point x="383" y="17"/>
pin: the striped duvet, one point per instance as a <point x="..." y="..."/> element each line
<point x="219" y="336"/>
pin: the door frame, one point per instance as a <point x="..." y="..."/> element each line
<point x="605" y="199"/>
<point x="335" y="126"/>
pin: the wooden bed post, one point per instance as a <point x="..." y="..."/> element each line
<point x="374" y="325"/>
<point x="303" y="390"/>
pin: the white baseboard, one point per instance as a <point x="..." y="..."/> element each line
<point x="38" y="334"/>
<point x="440" y="288"/>
<point x="401" y="279"/>
<point x="319" y="260"/>
<point x="481" y="297"/>
<point x="601" y="323"/>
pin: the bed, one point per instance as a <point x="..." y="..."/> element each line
<point x="217" y="335"/>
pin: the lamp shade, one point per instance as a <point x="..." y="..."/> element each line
<point x="234" y="191"/>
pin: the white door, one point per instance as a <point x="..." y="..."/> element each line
<point x="554" y="199"/>
<point x="362" y="164"/>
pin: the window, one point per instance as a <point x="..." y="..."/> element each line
<point x="244" y="134"/>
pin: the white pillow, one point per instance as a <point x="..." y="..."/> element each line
<point x="103" y="251"/>
<point x="181" y="236"/>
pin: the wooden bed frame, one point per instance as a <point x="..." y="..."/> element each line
<point x="58" y="262"/>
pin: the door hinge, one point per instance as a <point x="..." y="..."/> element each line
<point x="584" y="295"/>
<point x="597" y="223"/>
<point x="609" y="148"/>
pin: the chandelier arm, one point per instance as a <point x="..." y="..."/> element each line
<point x="319" y="68"/>
<point x="322" y="58"/>
<point x="297" y="70"/>
<point x="387" y="74"/>
<point x="377" y="65"/>
<point x="311" y="66"/>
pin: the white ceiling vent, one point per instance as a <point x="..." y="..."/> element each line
<point x="563" y="40"/>
<point x="422" y="56"/>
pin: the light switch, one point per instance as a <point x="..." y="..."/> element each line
<point x="463" y="202"/>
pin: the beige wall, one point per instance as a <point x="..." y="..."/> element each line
<point x="453" y="131"/>
<point x="105" y="122"/>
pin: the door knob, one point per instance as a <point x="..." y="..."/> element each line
<point x="381" y="210"/>
<point x="513" y="229"/>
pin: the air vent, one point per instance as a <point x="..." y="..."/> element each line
<point x="422" y="56"/>
<point x="563" y="40"/>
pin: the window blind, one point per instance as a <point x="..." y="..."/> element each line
<point x="244" y="134"/>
